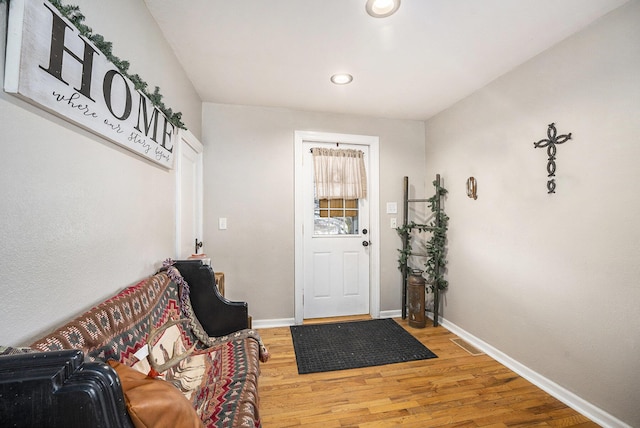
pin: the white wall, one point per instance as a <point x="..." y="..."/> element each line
<point x="249" y="172"/>
<point x="82" y="218"/>
<point x="552" y="280"/>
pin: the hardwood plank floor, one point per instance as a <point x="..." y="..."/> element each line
<point x="456" y="389"/>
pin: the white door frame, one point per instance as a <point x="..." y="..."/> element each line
<point x="187" y="137"/>
<point x="374" y="215"/>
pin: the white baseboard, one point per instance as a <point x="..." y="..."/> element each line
<point x="391" y="314"/>
<point x="286" y="322"/>
<point x="577" y="403"/>
<point x="278" y="322"/>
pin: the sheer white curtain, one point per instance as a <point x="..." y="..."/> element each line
<point x="339" y="173"/>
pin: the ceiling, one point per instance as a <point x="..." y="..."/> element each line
<point x="411" y="65"/>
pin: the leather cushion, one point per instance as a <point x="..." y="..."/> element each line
<point x="154" y="402"/>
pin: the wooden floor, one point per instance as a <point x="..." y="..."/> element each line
<point x="454" y="390"/>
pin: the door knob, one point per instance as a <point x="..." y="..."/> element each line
<point x="365" y="243"/>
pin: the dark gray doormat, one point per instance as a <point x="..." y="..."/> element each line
<point x="350" y="345"/>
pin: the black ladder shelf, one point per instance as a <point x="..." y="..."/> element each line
<point x="407" y="226"/>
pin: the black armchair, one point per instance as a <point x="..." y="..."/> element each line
<point x="217" y="315"/>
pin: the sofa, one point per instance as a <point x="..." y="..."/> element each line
<point x="169" y="351"/>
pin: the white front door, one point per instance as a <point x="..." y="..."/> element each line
<point x="304" y="229"/>
<point x="188" y="194"/>
<point x="336" y="248"/>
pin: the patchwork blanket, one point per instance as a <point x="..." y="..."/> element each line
<point x="219" y="376"/>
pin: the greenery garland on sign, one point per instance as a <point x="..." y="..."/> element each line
<point x="73" y="14"/>
<point x="435" y="246"/>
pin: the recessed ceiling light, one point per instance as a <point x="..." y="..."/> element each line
<point x="382" y="8"/>
<point x="341" y="78"/>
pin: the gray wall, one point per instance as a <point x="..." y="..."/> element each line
<point x="249" y="172"/>
<point x="552" y="280"/>
<point x="82" y="218"/>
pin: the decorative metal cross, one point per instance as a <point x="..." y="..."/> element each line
<point x="550" y="143"/>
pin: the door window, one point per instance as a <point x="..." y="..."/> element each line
<point x="336" y="217"/>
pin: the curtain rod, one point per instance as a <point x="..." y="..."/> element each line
<point x="337" y="145"/>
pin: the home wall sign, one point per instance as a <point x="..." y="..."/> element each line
<point x="550" y="143"/>
<point x="49" y="63"/>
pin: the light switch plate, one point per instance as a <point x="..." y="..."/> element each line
<point x="222" y="223"/>
<point x="392" y="207"/>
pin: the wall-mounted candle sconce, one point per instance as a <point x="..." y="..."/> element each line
<point x="472" y="188"/>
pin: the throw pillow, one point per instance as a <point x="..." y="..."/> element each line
<point x="153" y="402"/>
<point x="168" y="349"/>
